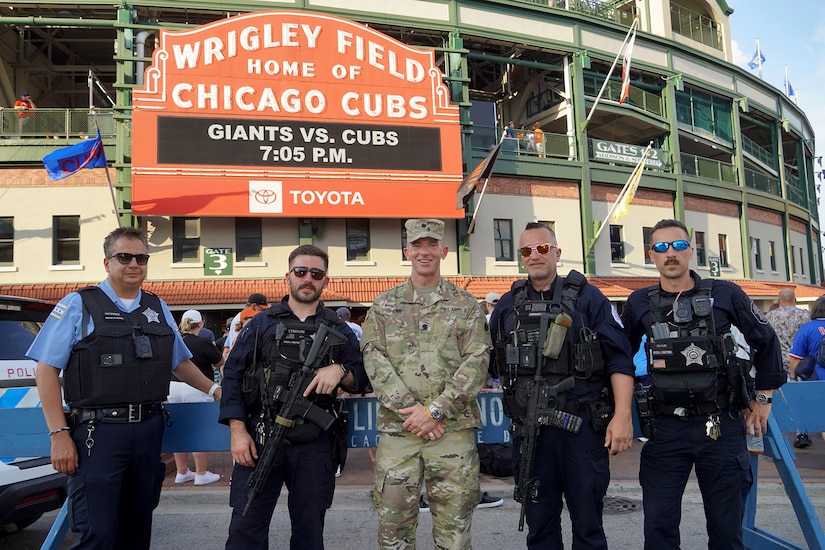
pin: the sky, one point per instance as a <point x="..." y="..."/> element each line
<point x="793" y="34"/>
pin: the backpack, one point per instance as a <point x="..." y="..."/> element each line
<point x="496" y="459"/>
<point x="806" y="369"/>
<point x="820" y="355"/>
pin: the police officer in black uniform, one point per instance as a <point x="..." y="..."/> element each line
<point x="116" y="345"/>
<point x="271" y="348"/>
<point x="594" y="363"/>
<point x="698" y="391"/>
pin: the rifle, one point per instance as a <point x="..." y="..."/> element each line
<point x="295" y="406"/>
<point x="544" y="408"/>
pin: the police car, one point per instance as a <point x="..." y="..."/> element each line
<point x="29" y="487"/>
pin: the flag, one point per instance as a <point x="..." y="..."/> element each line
<point x="628" y="52"/>
<point x="758" y="58"/>
<point x="789" y="91"/>
<point x="483" y="170"/>
<point x="74" y="158"/>
<point x="624" y="200"/>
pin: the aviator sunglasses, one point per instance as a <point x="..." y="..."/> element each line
<point x="301" y="272"/>
<point x="678" y="246"/>
<point x="125" y="258"/>
<point x="542" y="248"/>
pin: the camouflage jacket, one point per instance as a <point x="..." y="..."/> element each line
<point x="432" y="349"/>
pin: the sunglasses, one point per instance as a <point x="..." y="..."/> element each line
<point x="301" y="272"/>
<point x="678" y="246"/>
<point x="542" y="248"/>
<point x="125" y="258"/>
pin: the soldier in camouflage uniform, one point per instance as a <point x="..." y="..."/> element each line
<point x="426" y="350"/>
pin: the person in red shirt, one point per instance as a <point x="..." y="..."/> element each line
<point x="24" y="106"/>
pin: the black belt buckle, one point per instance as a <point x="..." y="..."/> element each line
<point x="135" y="413"/>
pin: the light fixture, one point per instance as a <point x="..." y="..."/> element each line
<point x="677" y="81"/>
<point x="583" y="59"/>
<point x="743" y="104"/>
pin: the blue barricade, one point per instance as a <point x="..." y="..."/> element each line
<point x="797" y="407"/>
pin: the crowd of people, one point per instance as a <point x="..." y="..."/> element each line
<point x="426" y="348"/>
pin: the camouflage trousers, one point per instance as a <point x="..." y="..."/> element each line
<point x="449" y="469"/>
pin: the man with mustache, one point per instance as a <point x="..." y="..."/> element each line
<point x="269" y="350"/>
<point x="702" y="395"/>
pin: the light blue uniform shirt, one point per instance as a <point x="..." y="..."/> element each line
<point x="63" y="329"/>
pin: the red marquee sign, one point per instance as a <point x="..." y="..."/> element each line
<point x="293" y="114"/>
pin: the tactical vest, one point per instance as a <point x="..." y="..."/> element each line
<point x="581" y="353"/>
<point x="684" y="354"/>
<point x="288" y="346"/>
<point x="125" y="360"/>
<point x="579" y="357"/>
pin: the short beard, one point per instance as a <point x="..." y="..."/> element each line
<point x="305" y="299"/>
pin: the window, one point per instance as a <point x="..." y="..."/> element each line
<point x="186" y="239"/>
<point x="358" y="240"/>
<point x="6" y="241"/>
<point x="793" y="260"/>
<point x="647" y="236"/>
<point x="723" y="250"/>
<point x="503" y="240"/>
<point x="248" y="239"/>
<point x="772" y="254"/>
<point x="616" y="244"/>
<point x="66" y="247"/>
<point x="757" y="252"/>
<point x="701" y="255"/>
<point x="801" y="260"/>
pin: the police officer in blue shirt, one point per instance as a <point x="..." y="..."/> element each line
<point x="572" y="456"/>
<point x="701" y="392"/>
<point x="116" y="346"/>
<point x="268" y="352"/>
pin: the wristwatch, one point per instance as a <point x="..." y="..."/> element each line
<point x="762" y="399"/>
<point x="435" y="413"/>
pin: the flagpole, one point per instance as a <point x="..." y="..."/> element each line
<point x="759" y="56"/>
<point x="478" y="205"/>
<point x="787" y="84"/>
<point x="639" y="166"/>
<point x="609" y="73"/>
<point x="106" y="169"/>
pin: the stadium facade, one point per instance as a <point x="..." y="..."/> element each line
<point x="731" y="156"/>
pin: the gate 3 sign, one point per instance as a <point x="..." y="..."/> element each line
<point x="293" y="114"/>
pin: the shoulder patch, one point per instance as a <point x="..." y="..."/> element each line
<point x="58" y="311"/>
<point x="758" y="315"/>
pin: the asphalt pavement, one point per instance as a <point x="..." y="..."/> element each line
<point x="198" y="517"/>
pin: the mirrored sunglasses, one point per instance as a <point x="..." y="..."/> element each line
<point x="664" y="245"/>
<point x="542" y="248"/>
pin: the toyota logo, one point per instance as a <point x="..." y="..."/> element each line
<point x="266" y="196"/>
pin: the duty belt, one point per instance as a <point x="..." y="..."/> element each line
<point x="126" y="414"/>
<point x="700" y="409"/>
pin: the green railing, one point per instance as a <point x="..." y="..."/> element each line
<point x="763" y="182"/>
<point x="603" y="9"/>
<point x="795" y="189"/>
<point x="708" y="168"/>
<point x="695" y="26"/>
<point x="758" y="152"/>
<point x="55" y="123"/>
<point x="485" y="138"/>
<point x="637" y="97"/>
